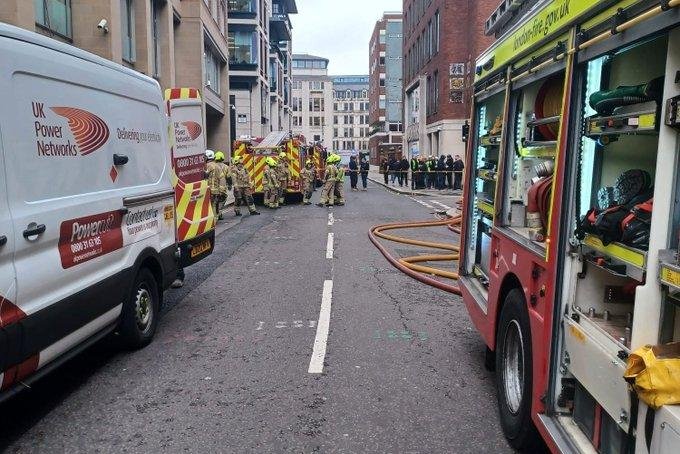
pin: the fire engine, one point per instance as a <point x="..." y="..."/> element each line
<point x="255" y="151"/>
<point x="569" y="257"/>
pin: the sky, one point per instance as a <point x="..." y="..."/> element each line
<point x="338" y="30"/>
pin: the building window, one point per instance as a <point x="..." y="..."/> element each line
<point x="381" y="102"/>
<point x="382" y="37"/>
<point x="335" y="119"/>
<point x="335" y="132"/>
<point x="241" y="6"/>
<point x="316" y="105"/>
<point x="435" y="38"/>
<point x="435" y="101"/>
<point x="242" y="48"/>
<point x="156" y="36"/>
<point x="382" y="60"/>
<point x="212" y="69"/>
<point x="55" y="15"/>
<point x="127" y="23"/>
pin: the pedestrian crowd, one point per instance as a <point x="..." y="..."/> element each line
<point x="445" y="172"/>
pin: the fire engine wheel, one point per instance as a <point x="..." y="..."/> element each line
<point x="140" y="312"/>
<point x="513" y="372"/>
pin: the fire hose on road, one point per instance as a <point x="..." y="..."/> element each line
<point x="410" y="265"/>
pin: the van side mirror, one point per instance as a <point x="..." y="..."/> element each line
<point x="120" y="159"/>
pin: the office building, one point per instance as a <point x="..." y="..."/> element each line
<point x="260" y="35"/>
<point x="179" y="43"/>
<point x="386" y="88"/>
<point x="312" y="99"/>
<point x="441" y="40"/>
<point x="350" y="113"/>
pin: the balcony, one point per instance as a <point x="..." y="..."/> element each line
<point x="280" y="28"/>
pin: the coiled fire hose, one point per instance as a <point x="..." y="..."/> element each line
<point x="409" y="265"/>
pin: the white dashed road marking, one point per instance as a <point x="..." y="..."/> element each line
<point x="329" y="246"/>
<point x="331" y="220"/>
<point x="322" y="327"/>
<point x="441" y="204"/>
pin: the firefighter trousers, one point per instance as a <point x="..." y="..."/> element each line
<point x="242" y="197"/>
<point x="283" y="185"/>
<point x="217" y="201"/>
<point x="271" y="197"/>
<point x="328" y="193"/>
<point x="339" y="192"/>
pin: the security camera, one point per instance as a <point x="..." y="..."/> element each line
<point x="103" y="25"/>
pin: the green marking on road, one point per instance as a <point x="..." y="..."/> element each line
<point x="394" y="334"/>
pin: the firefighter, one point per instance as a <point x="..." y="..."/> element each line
<point x="217" y="173"/>
<point x="307" y="176"/>
<point x="339" y="190"/>
<point x="271" y="184"/>
<point x="243" y="188"/>
<point x="328" y="190"/>
<point x="283" y="175"/>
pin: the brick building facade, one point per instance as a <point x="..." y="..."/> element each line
<point x="386" y="88"/>
<point x="442" y="38"/>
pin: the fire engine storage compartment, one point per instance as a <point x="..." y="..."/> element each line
<point x="535" y="107"/>
<point x="486" y="153"/>
<point x="601" y="276"/>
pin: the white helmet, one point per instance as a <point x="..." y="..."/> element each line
<point x="210" y="155"/>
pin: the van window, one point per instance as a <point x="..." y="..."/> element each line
<point x="61" y="138"/>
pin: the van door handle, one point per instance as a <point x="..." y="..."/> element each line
<point x="34" y="229"/>
<point x="120" y="159"/>
<point x="3" y="240"/>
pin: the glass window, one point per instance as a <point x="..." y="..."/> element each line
<point x="127" y="12"/>
<point x="382" y="37"/>
<point x="212" y="64"/>
<point x="242" y="47"/>
<point x="54" y="15"/>
<point x="156" y="7"/>
<point x="241" y="6"/>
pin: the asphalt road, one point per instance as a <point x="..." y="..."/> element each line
<point x="228" y="370"/>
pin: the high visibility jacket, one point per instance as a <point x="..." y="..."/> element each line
<point x="414" y="164"/>
<point x="340" y="175"/>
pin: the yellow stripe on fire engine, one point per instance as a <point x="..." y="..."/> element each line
<point x="258" y="175"/>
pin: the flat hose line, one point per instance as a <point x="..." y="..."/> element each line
<point x="409" y="265"/>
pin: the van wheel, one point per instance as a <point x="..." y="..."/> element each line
<point x="140" y="312"/>
<point x="514" y="372"/>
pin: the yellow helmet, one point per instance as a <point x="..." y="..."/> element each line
<point x="236" y="160"/>
<point x="283" y="155"/>
<point x="219" y="156"/>
<point x="309" y="163"/>
<point x="271" y="162"/>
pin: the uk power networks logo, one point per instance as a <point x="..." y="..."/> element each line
<point x="193" y="129"/>
<point x="89" y="131"/>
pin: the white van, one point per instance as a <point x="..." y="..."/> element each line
<point x="87" y="238"/>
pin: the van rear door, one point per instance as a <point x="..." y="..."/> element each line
<point x="193" y="211"/>
<point x="9" y="312"/>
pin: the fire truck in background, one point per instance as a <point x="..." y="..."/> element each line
<point x="194" y="217"/>
<point x="255" y="151"/>
<point x="569" y="257"/>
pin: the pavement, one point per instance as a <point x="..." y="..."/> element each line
<point x="229" y="369"/>
<point x="378" y="178"/>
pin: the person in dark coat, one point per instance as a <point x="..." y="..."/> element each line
<point x="422" y="176"/>
<point x="384" y="167"/>
<point x="458" y="167"/>
<point x="449" y="172"/>
<point x="364" y="173"/>
<point x="441" y="169"/>
<point x="404" y="166"/>
<point x="353" y="172"/>
<point x="393" y="166"/>
<point x="431" y="169"/>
